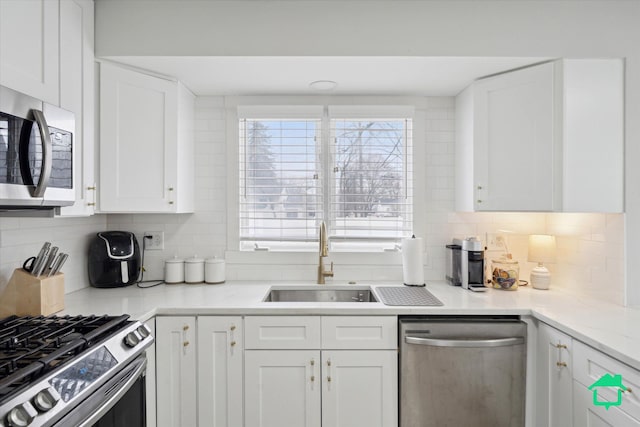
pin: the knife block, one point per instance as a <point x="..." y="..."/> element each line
<point x="28" y="295"/>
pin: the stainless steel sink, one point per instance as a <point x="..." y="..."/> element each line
<point x="322" y="294"/>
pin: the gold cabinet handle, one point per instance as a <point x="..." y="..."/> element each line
<point x="186" y="343"/>
<point x="560" y="345"/>
<point x="313" y="378"/>
<point x="312" y="362"/>
<point x="628" y="390"/>
<point x="561" y="364"/>
<point x="92" y="188"/>
<point x="185" y="328"/>
<point x="233" y="343"/>
<point x="328" y="379"/>
<point x="233" y="327"/>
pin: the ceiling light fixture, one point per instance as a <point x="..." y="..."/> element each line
<point x="323" y="85"/>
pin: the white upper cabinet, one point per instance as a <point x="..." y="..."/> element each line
<point x="146" y="143"/>
<point x="77" y="94"/>
<point x="29" y="47"/>
<point x="543" y="138"/>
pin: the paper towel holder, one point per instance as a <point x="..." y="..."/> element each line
<point x="420" y="263"/>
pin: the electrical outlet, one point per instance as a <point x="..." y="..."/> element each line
<point x="156" y="242"/>
<point x="495" y="242"/>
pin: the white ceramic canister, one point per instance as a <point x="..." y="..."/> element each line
<point x="174" y="270"/>
<point x="194" y="270"/>
<point x="214" y="270"/>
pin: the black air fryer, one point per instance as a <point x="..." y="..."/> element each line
<point x="114" y="259"/>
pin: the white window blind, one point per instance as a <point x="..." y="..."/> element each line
<point x="280" y="181"/>
<point x="371" y="189"/>
<point x="351" y="167"/>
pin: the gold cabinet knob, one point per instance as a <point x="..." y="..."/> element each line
<point x="313" y="378"/>
<point x="185" y="327"/>
<point x="233" y="343"/>
<point x="312" y="362"/>
<point x="185" y="344"/>
<point x="233" y="327"/>
<point x="328" y="379"/>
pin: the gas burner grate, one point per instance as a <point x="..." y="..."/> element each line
<point x="32" y="346"/>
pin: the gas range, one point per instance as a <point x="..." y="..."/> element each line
<point x="52" y="366"/>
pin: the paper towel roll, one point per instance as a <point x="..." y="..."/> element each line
<point x="412" y="268"/>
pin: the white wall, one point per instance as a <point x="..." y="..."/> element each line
<point x="547" y="28"/>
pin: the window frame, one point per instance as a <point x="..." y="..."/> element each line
<point x="273" y="258"/>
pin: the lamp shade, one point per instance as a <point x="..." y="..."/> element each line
<point x="542" y="248"/>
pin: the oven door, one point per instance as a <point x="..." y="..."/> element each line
<point x="119" y="402"/>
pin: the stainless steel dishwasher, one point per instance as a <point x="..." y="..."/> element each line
<point x="462" y="371"/>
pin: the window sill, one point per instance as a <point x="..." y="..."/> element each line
<point x="311" y="258"/>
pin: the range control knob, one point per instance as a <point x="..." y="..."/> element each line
<point x="46" y="399"/>
<point x="22" y="415"/>
<point x="144" y="331"/>
<point x="132" y="339"/>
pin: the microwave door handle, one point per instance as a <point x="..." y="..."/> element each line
<point x="47" y="152"/>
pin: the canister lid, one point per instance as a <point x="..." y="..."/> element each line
<point x="214" y="260"/>
<point x="174" y="260"/>
<point x="194" y="260"/>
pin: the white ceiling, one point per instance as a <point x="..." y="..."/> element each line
<point x="422" y="76"/>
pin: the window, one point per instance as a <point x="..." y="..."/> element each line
<point x="340" y="165"/>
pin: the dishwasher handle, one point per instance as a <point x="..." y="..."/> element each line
<point x="482" y="343"/>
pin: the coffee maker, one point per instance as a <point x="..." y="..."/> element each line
<point x="465" y="264"/>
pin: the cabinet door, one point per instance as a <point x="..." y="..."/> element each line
<point x="586" y="414"/>
<point x="77" y="94"/>
<point x="359" y="388"/>
<point x="516" y="158"/>
<point x="138" y="141"/>
<point x="29" y="47"/>
<point x="219" y="371"/>
<point x="282" y="388"/>
<point x="554" y="378"/>
<point x="176" y="371"/>
<point x="150" y="379"/>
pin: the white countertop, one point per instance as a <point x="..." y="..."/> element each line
<point x="608" y="327"/>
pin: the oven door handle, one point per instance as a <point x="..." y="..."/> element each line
<point x="47" y="153"/>
<point x="123" y="388"/>
<point x="437" y="342"/>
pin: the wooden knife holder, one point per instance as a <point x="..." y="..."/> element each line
<point x="28" y="295"/>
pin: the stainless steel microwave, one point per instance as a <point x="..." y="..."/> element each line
<point x="36" y="153"/>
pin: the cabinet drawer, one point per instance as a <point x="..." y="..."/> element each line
<point x="282" y="332"/>
<point x="585" y="413"/>
<point x="359" y="332"/>
<point x="589" y="365"/>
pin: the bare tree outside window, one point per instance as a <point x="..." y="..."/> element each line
<point x="369" y="167"/>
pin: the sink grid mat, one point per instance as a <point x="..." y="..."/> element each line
<point x="402" y="295"/>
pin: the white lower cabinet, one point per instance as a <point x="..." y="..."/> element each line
<point x="176" y="371"/>
<point x="327" y="385"/>
<point x="359" y="388"/>
<point x="150" y="378"/>
<point x="574" y="381"/>
<point x="282" y="388"/>
<point x="220" y="371"/>
<point x="554" y="379"/>
<point x="199" y="371"/>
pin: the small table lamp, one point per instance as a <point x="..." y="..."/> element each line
<point x="542" y="249"/>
